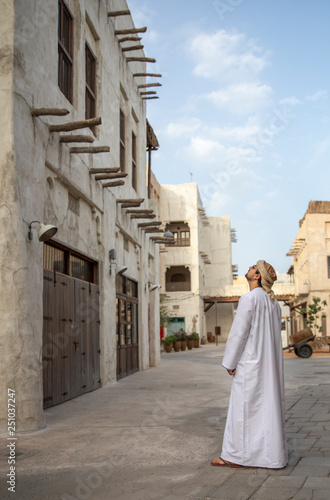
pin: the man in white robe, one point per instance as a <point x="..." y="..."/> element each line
<point x="254" y="434"/>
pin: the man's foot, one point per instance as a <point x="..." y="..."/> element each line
<point x="220" y="462"/>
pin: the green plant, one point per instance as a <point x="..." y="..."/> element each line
<point x="169" y="339"/>
<point x="312" y="314"/>
<point x="195" y="335"/>
<point x="164" y="312"/>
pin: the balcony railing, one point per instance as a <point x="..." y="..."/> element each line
<point x="179" y="286"/>
<point x="180" y="242"/>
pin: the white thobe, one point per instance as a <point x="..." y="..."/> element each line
<point x="255" y="434"/>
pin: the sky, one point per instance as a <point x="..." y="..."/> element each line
<point x="243" y="111"/>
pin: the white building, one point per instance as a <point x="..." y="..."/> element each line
<point x="198" y="265"/>
<point x="70" y="321"/>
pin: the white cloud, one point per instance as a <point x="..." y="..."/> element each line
<point x="292" y="101"/>
<point x="183" y="127"/>
<point x="226" y="56"/>
<point x="242" y="98"/>
<point x="320" y="94"/>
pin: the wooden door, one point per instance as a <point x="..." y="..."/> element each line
<point x="71" y="350"/>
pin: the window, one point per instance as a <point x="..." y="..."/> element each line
<point x="134" y="162"/>
<point x="90" y="64"/>
<point x="177" y="279"/>
<point x="65" y="50"/>
<point x="64" y="261"/>
<point x="328" y="267"/>
<point x="122" y="142"/>
<point x="181" y="233"/>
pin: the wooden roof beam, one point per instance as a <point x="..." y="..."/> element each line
<point x="76" y="138"/>
<point x="130" y="39"/>
<point x="141" y="59"/>
<point x="130" y="200"/>
<point x="49" y="112"/>
<point x="143" y="216"/>
<point x="131" y="31"/>
<point x="147" y="225"/>
<point x="147" y="85"/>
<point x="117" y="13"/>
<point x="147" y="74"/>
<point x="140" y="210"/>
<point x="93" y="171"/>
<point x="134" y="47"/>
<point x="92" y="150"/>
<point x="113" y="184"/>
<point x="151" y="92"/>
<point x="104" y="177"/>
<point x="67" y="127"/>
<point x="146" y="98"/>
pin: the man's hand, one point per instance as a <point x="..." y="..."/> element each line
<point x="231" y="372"/>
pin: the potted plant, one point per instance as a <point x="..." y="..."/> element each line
<point x="190" y="341"/>
<point x="168" y="342"/>
<point x="177" y="342"/>
<point x="184" y="341"/>
<point x="195" y="336"/>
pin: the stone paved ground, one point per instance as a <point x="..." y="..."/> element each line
<point x="151" y="436"/>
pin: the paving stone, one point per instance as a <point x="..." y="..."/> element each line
<point x="309" y="470"/>
<point x="285" y="482"/>
<point x="321" y="494"/>
<point x="322" y="461"/>
<point x="273" y="493"/>
<point x="304" y="494"/>
<point x="232" y="493"/>
<point x="318" y="482"/>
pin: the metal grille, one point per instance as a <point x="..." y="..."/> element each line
<point x="54" y="259"/>
<point x="74" y="205"/>
<point x="81" y="268"/>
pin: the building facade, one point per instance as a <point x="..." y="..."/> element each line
<point x="310" y="268"/>
<point x="197" y="265"/>
<point x="76" y="311"/>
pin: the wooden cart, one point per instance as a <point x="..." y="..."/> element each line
<point x="300" y="343"/>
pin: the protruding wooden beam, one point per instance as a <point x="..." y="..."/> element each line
<point x="146" y="98"/>
<point x="130" y="39"/>
<point x="154" y="230"/>
<point x="92" y="150"/>
<point x="49" y="112"/>
<point x="103" y="177"/>
<point x="141" y="59"/>
<point x="131" y="31"/>
<point x="67" y="127"/>
<point x="128" y="205"/>
<point x="146" y="225"/>
<point x="93" y="171"/>
<point x="76" y="138"/>
<point x="151" y="92"/>
<point x="117" y="13"/>
<point x="130" y="200"/>
<point x="140" y="210"/>
<point x="134" y="47"/>
<point x="113" y="184"/>
<point x="147" y="85"/>
<point x="143" y="216"/>
<point x="148" y="74"/>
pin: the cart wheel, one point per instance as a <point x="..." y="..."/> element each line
<point x="305" y="351"/>
<point x="296" y="351"/>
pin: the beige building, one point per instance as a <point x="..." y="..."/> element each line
<point x="76" y="311"/>
<point x="198" y="265"/>
<point x="310" y="268"/>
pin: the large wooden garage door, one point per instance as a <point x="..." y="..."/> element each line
<point x="71" y="350"/>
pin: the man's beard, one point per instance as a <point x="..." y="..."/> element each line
<point x="246" y="275"/>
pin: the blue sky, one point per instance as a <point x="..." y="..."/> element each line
<point x="244" y="108"/>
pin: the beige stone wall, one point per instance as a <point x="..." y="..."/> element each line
<point x="38" y="173"/>
<point x="311" y="249"/>
<point x="209" y="237"/>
